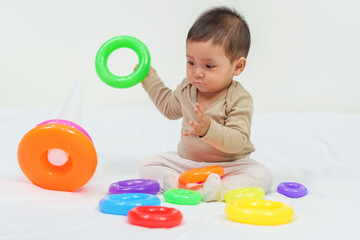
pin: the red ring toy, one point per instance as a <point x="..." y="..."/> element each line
<point x="155" y="217"/>
<point x="198" y="175"/>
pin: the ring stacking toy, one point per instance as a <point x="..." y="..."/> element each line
<point x="259" y="212"/>
<point x="182" y="196"/>
<point x="121" y="204"/>
<point x="197" y="175"/>
<point x="68" y="123"/>
<point x="155" y="217"/>
<point x="149" y="186"/>
<point x="254" y="193"/>
<point x="33" y="159"/>
<point x="292" y="189"/>
<point x="125" y="81"/>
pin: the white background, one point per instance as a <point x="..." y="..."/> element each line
<point x="304" y="54"/>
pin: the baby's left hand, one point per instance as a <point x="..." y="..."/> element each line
<point x="202" y="124"/>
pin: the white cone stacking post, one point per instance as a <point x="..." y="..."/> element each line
<point x="71" y="111"/>
<point x="58" y="154"/>
<point x="73" y="107"/>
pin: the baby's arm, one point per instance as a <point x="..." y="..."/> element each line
<point x="151" y="73"/>
<point x="234" y="135"/>
<point x="231" y="137"/>
<point x="163" y="98"/>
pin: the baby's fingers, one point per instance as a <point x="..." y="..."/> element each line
<point x="199" y="112"/>
<point x="188" y="133"/>
<point x="202" y="110"/>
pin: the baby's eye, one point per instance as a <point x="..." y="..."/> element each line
<point x="191" y="63"/>
<point x="210" y="66"/>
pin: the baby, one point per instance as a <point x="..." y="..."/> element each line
<point x="216" y="110"/>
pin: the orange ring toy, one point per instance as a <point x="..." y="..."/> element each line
<point x="198" y="175"/>
<point x="76" y="172"/>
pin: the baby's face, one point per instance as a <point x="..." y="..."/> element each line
<point x="208" y="68"/>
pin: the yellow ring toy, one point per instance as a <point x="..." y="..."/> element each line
<point x="259" y="212"/>
<point x="254" y="193"/>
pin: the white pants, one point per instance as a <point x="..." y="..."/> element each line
<point x="241" y="173"/>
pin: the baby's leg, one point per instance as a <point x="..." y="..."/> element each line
<point x="165" y="168"/>
<point x="245" y="173"/>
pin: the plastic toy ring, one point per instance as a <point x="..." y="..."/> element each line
<point x="125" y="81"/>
<point x="149" y="186"/>
<point x="259" y="212"/>
<point x="254" y="193"/>
<point x="155" y="217"/>
<point x="292" y="189"/>
<point x="76" y="172"/>
<point x="121" y="204"/>
<point x="182" y="197"/>
<point x="68" y="123"/>
<point x="197" y="175"/>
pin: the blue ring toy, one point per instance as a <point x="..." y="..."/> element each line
<point x="121" y="204"/>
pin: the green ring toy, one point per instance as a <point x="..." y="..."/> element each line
<point x="122" y="81"/>
<point x="182" y="197"/>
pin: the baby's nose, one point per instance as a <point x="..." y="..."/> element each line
<point x="199" y="73"/>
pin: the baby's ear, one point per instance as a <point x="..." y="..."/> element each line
<point x="239" y="65"/>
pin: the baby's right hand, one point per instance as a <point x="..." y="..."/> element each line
<point x="152" y="71"/>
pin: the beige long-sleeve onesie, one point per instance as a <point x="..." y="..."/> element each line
<point x="227" y="142"/>
<point x="228" y="137"/>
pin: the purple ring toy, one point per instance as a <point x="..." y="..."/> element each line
<point x="292" y="189"/>
<point x="148" y="186"/>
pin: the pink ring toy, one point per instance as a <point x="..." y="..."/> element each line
<point x="67" y="123"/>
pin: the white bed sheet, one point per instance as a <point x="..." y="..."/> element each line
<point x="319" y="150"/>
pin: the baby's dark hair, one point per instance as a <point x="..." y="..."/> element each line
<point x="225" y="27"/>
